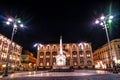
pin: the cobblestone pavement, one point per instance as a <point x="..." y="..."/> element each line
<point x="76" y="75"/>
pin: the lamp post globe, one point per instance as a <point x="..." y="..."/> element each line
<point x="103" y="20"/>
<point x="15" y="25"/>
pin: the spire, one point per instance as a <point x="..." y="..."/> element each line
<point x="61" y="52"/>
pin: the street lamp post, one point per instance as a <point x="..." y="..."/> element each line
<point x="103" y="22"/>
<point x="15" y="23"/>
<point x="38" y="45"/>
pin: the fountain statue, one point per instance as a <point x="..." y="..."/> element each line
<point x="61" y="61"/>
<point x="61" y="58"/>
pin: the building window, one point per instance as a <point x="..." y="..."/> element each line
<point x="89" y="62"/>
<point x="87" y="46"/>
<point x="88" y="55"/>
<point x="41" y="64"/>
<point x="74" y="55"/>
<point x="82" y="62"/>
<point x="81" y="53"/>
<point x="41" y="60"/>
<point x="5" y="46"/>
<point x="41" y="53"/>
<point x="74" y="52"/>
<point x="75" y="63"/>
<point x="81" y="58"/>
<point x="48" y="47"/>
<point x="54" y="63"/>
<point x="54" y="47"/>
<point x="73" y="46"/>
<point x="48" y="63"/>
<point x="88" y="52"/>
<point x="47" y="53"/>
<point x="54" y="53"/>
<point x="41" y="56"/>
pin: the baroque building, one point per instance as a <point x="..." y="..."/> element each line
<point x="15" y="53"/>
<point x="102" y="57"/>
<point x="78" y="55"/>
<point x="28" y="61"/>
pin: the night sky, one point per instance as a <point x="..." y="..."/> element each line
<point x="46" y="21"/>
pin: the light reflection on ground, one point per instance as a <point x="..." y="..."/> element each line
<point x="58" y="74"/>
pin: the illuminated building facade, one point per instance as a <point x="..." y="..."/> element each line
<point x="28" y="61"/>
<point x="15" y="53"/>
<point x="78" y="55"/>
<point x="101" y="56"/>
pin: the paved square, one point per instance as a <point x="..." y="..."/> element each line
<point x="76" y="75"/>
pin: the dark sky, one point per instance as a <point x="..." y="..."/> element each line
<point x="46" y="21"/>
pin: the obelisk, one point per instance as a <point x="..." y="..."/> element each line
<point x="61" y="52"/>
<point x="60" y="58"/>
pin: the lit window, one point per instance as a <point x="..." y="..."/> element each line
<point x="47" y="63"/>
<point x="74" y="55"/>
<point x="54" y="63"/>
<point x="48" y="47"/>
<point x="81" y="55"/>
<point x="41" y="56"/>
<point x="89" y="62"/>
<point x="82" y="62"/>
<point x="88" y="55"/>
<point x="41" y="64"/>
<point x="75" y="63"/>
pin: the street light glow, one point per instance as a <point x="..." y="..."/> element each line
<point x="21" y="25"/>
<point x="19" y="21"/>
<point x="101" y="23"/>
<point x="111" y="17"/>
<point x="15" y="26"/>
<point x="102" y="17"/>
<point x="109" y="21"/>
<point x="10" y="19"/>
<point x="38" y="44"/>
<point x="8" y="23"/>
<point x="35" y="44"/>
<point x="103" y="20"/>
<point x="97" y="21"/>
